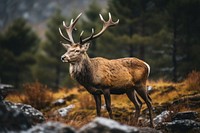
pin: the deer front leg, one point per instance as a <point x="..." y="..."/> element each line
<point x="108" y="102"/>
<point x="98" y="104"/>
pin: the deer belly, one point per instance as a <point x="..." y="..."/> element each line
<point x="117" y="91"/>
<point x="121" y="80"/>
<point x="121" y="88"/>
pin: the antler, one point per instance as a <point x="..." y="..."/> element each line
<point x="69" y="29"/>
<point x="107" y="24"/>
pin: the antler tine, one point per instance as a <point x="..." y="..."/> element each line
<point x="74" y="22"/>
<point x="71" y="21"/>
<point x="90" y="37"/>
<point x="63" y="36"/>
<point x="102" y="18"/>
<point x="69" y="29"/>
<point x="64" y="24"/>
<point x="111" y="23"/>
<point x="106" y="24"/>
<point x="81" y="37"/>
<point x="92" y="33"/>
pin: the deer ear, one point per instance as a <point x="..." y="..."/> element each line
<point x="85" y="47"/>
<point x="66" y="46"/>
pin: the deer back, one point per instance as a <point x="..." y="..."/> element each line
<point x="119" y="73"/>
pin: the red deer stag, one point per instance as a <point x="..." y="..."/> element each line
<point x="103" y="76"/>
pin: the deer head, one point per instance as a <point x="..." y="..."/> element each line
<point x="75" y="51"/>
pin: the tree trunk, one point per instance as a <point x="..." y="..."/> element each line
<point x="174" y="49"/>
<point x="131" y="50"/>
<point x="142" y="52"/>
<point x="188" y="41"/>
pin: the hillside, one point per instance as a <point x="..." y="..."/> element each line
<point x="166" y="96"/>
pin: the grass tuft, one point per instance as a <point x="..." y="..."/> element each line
<point x="193" y="81"/>
<point x="37" y="95"/>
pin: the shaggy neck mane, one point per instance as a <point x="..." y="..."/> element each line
<point x="82" y="70"/>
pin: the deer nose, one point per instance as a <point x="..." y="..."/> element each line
<point x="63" y="58"/>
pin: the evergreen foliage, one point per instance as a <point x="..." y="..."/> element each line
<point x="49" y="68"/>
<point x="17" y="47"/>
<point x="164" y="33"/>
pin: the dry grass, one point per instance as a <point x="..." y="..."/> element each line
<point x="37" y="95"/>
<point x="62" y="92"/>
<point x="163" y="94"/>
<point x="160" y="83"/>
<point x="192" y="82"/>
<point x="15" y="97"/>
<point x="165" y="91"/>
<point x="86" y="101"/>
<point x="123" y="110"/>
<point x="80" y="117"/>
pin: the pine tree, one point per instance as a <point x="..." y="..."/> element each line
<point x="92" y="21"/>
<point x="49" y="69"/>
<point x="135" y="17"/>
<point x="183" y="22"/>
<point x="18" y="45"/>
<point x="141" y="21"/>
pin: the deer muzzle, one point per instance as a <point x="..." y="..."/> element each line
<point x="65" y="58"/>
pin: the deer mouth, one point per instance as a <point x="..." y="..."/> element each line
<point x="67" y="61"/>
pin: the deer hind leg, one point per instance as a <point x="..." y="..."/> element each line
<point x="143" y="94"/>
<point x="107" y="98"/>
<point x="98" y="104"/>
<point x="137" y="103"/>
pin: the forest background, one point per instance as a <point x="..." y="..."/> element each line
<point x="164" y="33"/>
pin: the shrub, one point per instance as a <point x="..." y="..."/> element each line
<point x="37" y="95"/>
<point x="193" y="81"/>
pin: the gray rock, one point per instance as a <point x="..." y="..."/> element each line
<point x="158" y="120"/>
<point x="12" y="119"/>
<point x="148" y="130"/>
<point x="162" y="117"/>
<point x="5" y="89"/>
<point x="150" y="89"/>
<point x="3" y="86"/>
<point x="192" y="115"/>
<point x="32" y="114"/>
<point x="50" y="127"/>
<point x="59" y="102"/>
<point x="104" y="125"/>
<point x="64" y="111"/>
<point x="183" y="126"/>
